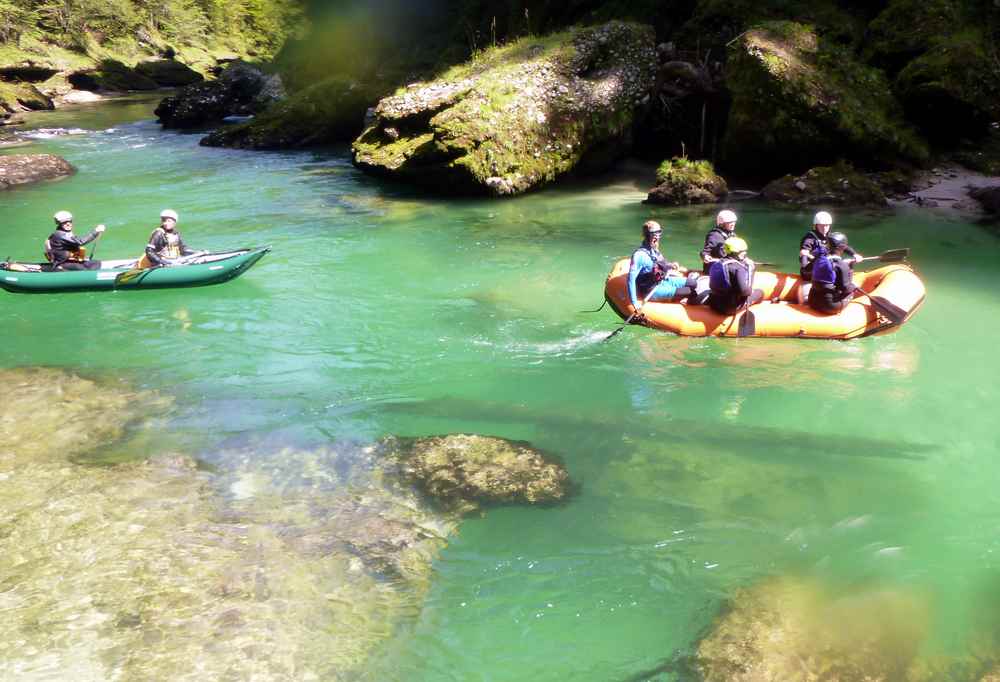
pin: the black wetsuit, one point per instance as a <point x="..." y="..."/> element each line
<point x="809" y="243"/>
<point x="731" y="282"/>
<point x="830" y="298"/>
<point x="64" y="247"/>
<point x="713" y="244"/>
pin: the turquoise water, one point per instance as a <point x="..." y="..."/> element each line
<point x="703" y="464"/>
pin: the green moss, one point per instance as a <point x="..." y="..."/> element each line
<point x="698" y="172"/>
<point x="838" y="184"/>
<point x="799" y="100"/>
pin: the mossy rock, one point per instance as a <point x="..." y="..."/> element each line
<point x="462" y="472"/>
<point x="515" y="117"/>
<point x="837" y="185"/>
<point x="905" y="29"/>
<point x="327" y="112"/>
<point x="953" y="90"/>
<point x="112" y="75"/>
<point x="681" y="181"/>
<point x="797" y="102"/>
<point x="799" y="629"/>
<point x="168" y="72"/>
<point x="21" y="96"/>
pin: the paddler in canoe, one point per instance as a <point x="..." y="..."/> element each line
<point x="165" y="247"/>
<point x="650" y="276"/>
<point x="64" y="250"/>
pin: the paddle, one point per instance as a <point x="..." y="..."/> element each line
<point x="94" y="250"/>
<point x="129" y="276"/>
<point x="893" y="256"/>
<point x="638" y="310"/>
<point x="886" y="308"/>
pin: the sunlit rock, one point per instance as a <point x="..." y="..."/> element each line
<point x="22" y="169"/>
<point x="836" y="185"/>
<point x="464" y="472"/>
<point x="516" y="117"/>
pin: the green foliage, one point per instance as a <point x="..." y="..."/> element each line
<point x="699" y="172"/>
<point x="107" y="27"/>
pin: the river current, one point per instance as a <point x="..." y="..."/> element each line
<point x="703" y="465"/>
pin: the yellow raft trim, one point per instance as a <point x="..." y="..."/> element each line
<point x="897" y="285"/>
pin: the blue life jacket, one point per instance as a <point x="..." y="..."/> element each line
<point x="650" y="278"/>
<point x="718" y="277"/>
<point x="823" y="272"/>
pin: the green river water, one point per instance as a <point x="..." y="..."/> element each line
<point x="703" y="465"/>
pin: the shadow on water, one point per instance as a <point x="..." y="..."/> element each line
<point x="777" y="442"/>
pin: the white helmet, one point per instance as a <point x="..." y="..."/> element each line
<point x="823" y="218"/>
<point x="724" y="217"/>
<point x="62" y="217"/>
<point x="168" y="213"/>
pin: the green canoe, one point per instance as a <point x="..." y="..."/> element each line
<point x="196" y="271"/>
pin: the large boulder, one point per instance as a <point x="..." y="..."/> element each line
<point x="942" y="58"/>
<point x="516" y="117"/>
<point x="836" y="185"/>
<point x="22" y="169"/>
<point x="797" y="102"/>
<point x="169" y="72"/>
<point x="988" y="197"/>
<point x="680" y="181"/>
<point x="111" y="75"/>
<point x="239" y="90"/>
<point x="463" y="472"/>
<point x="330" y="111"/>
<point x="22" y="96"/>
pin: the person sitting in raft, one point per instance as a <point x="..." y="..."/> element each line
<point x="725" y="227"/>
<point x="731" y="279"/>
<point x="832" y="278"/>
<point x="816" y="236"/>
<point x="165" y="245"/>
<point x="649" y="271"/>
<point x="65" y="250"/>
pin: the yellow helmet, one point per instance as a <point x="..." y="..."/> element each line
<point x="734" y="245"/>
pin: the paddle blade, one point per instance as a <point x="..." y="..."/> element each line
<point x="888" y="309"/>
<point x="748" y="324"/>
<point x="128" y="276"/>
<point x="894" y="256"/>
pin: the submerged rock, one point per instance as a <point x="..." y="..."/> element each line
<point x="464" y="472"/>
<point x="22" y="169"/>
<point x="798" y="101"/>
<point x="680" y="181"/>
<point x="515" y="117"/>
<point x="837" y="185"/>
<point x="788" y="629"/>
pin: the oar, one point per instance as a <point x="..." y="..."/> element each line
<point x="893" y="256"/>
<point x="886" y="308"/>
<point x="94" y="250"/>
<point x="637" y="311"/>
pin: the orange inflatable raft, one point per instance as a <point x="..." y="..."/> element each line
<point x="893" y="293"/>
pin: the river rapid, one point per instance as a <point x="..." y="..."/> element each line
<point x="703" y="465"/>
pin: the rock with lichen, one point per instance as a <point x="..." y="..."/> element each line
<point x="800" y="101"/>
<point x="680" y="181"/>
<point x="465" y="471"/>
<point x="23" y="169"/>
<point x="515" y="117"/>
<point x="836" y="185"/>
